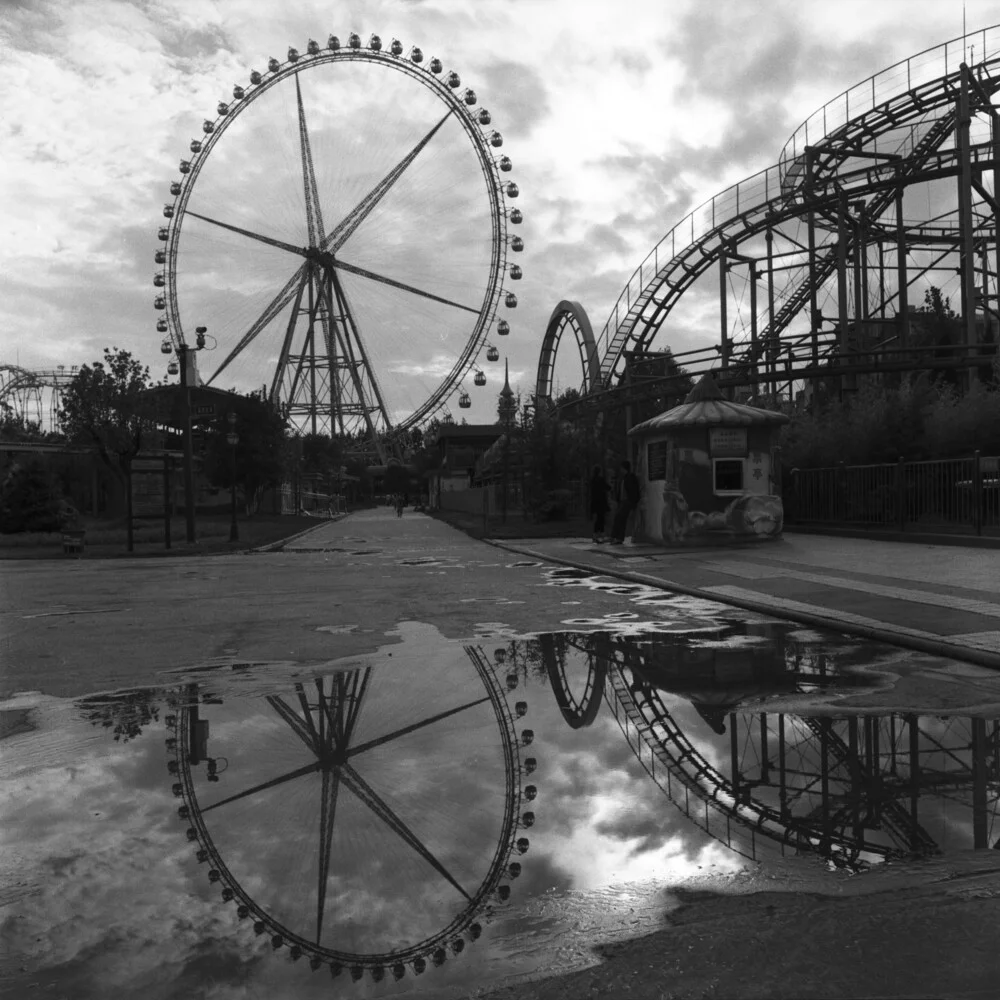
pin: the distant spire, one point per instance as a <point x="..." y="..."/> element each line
<point x="506" y="405"/>
<point x="506" y="390"/>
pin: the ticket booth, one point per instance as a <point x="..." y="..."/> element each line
<point x="710" y="471"/>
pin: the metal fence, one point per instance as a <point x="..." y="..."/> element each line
<point x="954" y="494"/>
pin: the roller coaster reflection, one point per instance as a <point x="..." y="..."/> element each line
<point x="857" y="789"/>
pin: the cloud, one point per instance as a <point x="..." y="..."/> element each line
<point x="517" y="93"/>
<point x="617" y="123"/>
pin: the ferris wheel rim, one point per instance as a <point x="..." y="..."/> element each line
<point x="435" y="82"/>
<point x="462" y="921"/>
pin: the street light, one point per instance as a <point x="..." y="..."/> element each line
<point x="234" y="439"/>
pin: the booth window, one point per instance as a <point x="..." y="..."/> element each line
<point x="727" y="475"/>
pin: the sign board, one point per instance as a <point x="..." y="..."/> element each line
<point x="656" y="460"/>
<point x="147" y="493"/>
<point x="203" y="410"/>
<point x="727" y="442"/>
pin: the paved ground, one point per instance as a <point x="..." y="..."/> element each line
<point x="940" y="598"/>
<point x="76" y="626"/>
<point x="73" y="627"/>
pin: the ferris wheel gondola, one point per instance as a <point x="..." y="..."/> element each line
<point x="346" y="239"/>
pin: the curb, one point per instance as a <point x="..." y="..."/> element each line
<point x="282" y="542"/>
<point x="906" y="537"/>
<point x="938" y="647"/>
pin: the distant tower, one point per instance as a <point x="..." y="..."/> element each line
<point x="506" y="404"/>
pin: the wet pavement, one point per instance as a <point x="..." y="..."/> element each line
<point x="391" y="760"/>
<point x="937" y="598"/>
<point x="441" y="806"/>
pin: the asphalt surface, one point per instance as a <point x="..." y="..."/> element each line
<point x="942" y="599"/>
<point x="71" y="627"/>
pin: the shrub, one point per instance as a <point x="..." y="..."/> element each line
<point x="29" y="499"/>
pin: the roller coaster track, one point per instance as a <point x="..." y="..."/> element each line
<point x="909" y="122"/>
<point x="681" y="771"/>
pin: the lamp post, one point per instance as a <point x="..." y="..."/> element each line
<point x="234" y="439"/>
<point x="182" y="363"/>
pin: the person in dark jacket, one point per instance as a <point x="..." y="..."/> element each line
<point x="628" y="500"/>
<point x="599" y="505"/>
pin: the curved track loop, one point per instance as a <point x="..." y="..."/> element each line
<point x="568" y="315"/>
<point x="576" y="714"/>
<point x="909" y="114"/>
<point x="704" y="794"/>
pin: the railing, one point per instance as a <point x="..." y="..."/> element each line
<point x="955" y="494"/>
<point x="750" y="193"/>
<point x="300" y="500"/>
<point x="922" y="68"/>
<point x="756" y="191"/>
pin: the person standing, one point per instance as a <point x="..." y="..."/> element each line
<point x="599" y="506"/>
<point x="628" y="500"/>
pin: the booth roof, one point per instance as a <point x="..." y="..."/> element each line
<point x="704" y="406"/>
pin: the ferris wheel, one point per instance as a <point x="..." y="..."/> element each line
<point x="358" y="822"/>
<point x="341" y="229"/>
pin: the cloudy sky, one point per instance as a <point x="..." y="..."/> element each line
<point x="619" y="119"/>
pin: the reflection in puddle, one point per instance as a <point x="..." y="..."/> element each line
<point x="371" y="823"/>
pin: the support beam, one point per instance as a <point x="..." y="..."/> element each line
<point x="814" y="316"/>
<point x="902" y="284"/>
<point x="914" y="772"/>
<point x="772" y="345"/>
<point x="980" y="825"/>
<point x="966" y="229"/>
<point x="842" y="248"/>
<point x="723" y="300"/>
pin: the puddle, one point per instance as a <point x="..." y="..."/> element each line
<point x="440" y="817"/>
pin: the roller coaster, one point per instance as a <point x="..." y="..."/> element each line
<point x="815" y="260"/>
<point x="34" y="396"/>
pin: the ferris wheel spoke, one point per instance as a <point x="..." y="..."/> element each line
<point x="381" y="740"/>
<point x="269" y="240"/>
<point x="314" y="215"/>
<point x="362" y="272"/>
<point x="274" y="782"/>
<point x="328" y="812"/>
<point x="292" y="287"/>
<point x="371" y="798"/>
<point x="307" y="716"/>
<point x="295" y="723"/>
<point x="342" y="233"/>
<point x="333" y="289"/>
<point x="357" y="700"/>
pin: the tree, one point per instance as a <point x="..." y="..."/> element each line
<point x="17" y="427"/>
<point x="261" y="453"/>
<point x="321" y="454"/>
<point x="107" y="407"/>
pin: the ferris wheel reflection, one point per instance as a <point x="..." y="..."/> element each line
<point x="391" y="813"/>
